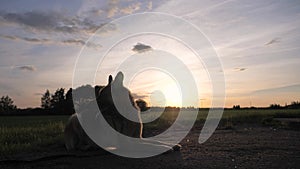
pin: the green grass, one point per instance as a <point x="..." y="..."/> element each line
<point x="231" y="117"/>
<point x="35" y="133"/>
<point x="29" y="133"/>
<point x="257" y="115"/>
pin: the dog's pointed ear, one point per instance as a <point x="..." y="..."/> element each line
<point x="119" y="79"/>
<point x="110" y="79"/>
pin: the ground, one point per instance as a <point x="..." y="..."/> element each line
<point x="244" y="146"/>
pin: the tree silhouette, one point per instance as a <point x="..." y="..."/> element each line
<point x="46" y="100"/>
<point x="294" y="105"/>
<point x="236" y="107"/>
<point x="69" y="106"/>
<point x="58" y="101"/>
<point x="275" y="106"/>
<point x="7" y="104"/>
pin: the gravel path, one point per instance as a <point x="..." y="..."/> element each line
<point x="241" y="147"/>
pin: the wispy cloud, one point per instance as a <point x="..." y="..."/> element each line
<point x="150" y="5"/>
<point x="289" y="88"/>
<point x="112" y="11"/>
<point x="116" y="8"/>
<point x="275" y="40"/>
<point x="49" y="21"/>
<point x="26" y="68"/>
<point x="70" y="41"/>
<point x="74" y="41"/>
<point x="131" y="8"/>
<point x="139" y="47"/>
<point x="138" y="96"/>
<point x="96" y="11"/>
<point x="26" y="39"/>
<point x="38" y="20"/>
<point x="81" y="43"/>
<point x="113" y="8"/>
<point x="240" y="69"/>
<point x="47" y="28"/>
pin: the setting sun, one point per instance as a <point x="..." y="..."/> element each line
<point x="161" y="89"/>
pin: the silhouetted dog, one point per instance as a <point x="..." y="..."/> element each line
<point x="75" y="136"/>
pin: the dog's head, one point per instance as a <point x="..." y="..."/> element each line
<point x="105" y="97"/>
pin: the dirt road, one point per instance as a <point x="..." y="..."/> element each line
<point x="241" y="147"/>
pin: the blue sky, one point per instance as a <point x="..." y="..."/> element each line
<point x="257" y="42"/>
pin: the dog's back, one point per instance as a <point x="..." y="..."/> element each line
<point x="75" y="136"/>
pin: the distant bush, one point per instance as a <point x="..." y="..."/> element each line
<point x="294" y="105"/>
<point x="275" y="106"/>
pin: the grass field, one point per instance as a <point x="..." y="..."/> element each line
<point x="35" y="133"/>
<point x="29" y="133"/>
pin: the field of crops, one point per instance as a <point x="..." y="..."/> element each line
<point x="36" y="133"/>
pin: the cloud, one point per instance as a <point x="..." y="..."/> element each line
<point x="284" y="89"/>
<point x="50" y="21"/>
<point x="18" y="38"/>
<point x="26" y="68"/>
<point x="131" y="8"/>
<point x="93" y="45"/>
<point x="35" y="40"/>
<point x="149" y="5"/>
<point x="139" y="47"/>
<point x="74" y="41"/>
<point x="114" y="8"/>
<point x="138" y="96"/>
<point x="275" y="40"/>
<point x="96" y="11"/>
<point x="71" y="41"/>
<point x="112" y="11"/>
<point x="81" y="43"/>
<point x="9" y="37"/>
<point x="240" y="69"/>
<point x="37" y="20"/>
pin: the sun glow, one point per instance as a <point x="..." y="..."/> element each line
<point x="156" y="88"/>
<point x="172" y="94"/>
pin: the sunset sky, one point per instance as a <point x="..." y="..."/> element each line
<point x="258" y="43"/>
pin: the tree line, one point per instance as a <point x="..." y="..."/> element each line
<point x="292" y="105"/>
<point x="61" y="102"/>
<point x="51" y="104"/>
<point x="58" y="103"/>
